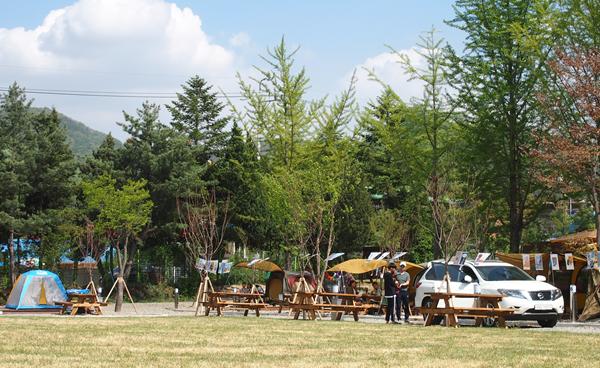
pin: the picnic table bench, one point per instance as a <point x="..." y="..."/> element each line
<point x="87" y="302"/>
<point x="308" y="302"/>
<point x="487" y="306"/>
<point x="246" y="301"/>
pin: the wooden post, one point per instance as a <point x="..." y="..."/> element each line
<point x="121" y="279"/>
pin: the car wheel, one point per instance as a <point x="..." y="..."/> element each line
<point x="489" y="321"/>
<point x="427" y="303"/>
<point x="548" y="322"/>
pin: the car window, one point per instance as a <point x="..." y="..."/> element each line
<point x="469" y="271"/>
<point x="436" y="272"/>
<point x="502" y="273"/>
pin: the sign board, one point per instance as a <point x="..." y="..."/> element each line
<point x="213" y="266"/>
<point x="383" y="255"/>
<point x="373" y="255"/>
<point x="554" y="262"/>
<point x="201" y="264"/>
<point x="539" y="262"/>
<point x="590" y="256"/>
<point x="569" y="263"/>
<point x="334" y="256"/>
<point x="398" y="255"/>
<point x="481" y="257"/>
<point x="225" y="267"/>
<point x="526" y="262"/>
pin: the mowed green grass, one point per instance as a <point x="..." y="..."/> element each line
<point x="261" y="342"/>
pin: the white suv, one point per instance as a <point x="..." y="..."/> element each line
<point x="532" y="299"/>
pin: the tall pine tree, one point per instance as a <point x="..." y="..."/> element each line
<point x="198" y="114"/>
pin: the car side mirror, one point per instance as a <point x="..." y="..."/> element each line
<point x="540" y="278"/>
<point x="468" y="279"/>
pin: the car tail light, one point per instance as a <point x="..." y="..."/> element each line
<point x="417" y="284"/>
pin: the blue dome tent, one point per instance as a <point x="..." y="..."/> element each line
<point x="36" y="289"/>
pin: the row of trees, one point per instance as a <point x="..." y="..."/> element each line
<point x="502" y="128"/>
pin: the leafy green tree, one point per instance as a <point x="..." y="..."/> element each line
<point x="307" y="152"/>
<point x="122" y="214"/>
<point x="420" y="139"/>
<point x="496" y="80"/>
<point x="278" y="112"/>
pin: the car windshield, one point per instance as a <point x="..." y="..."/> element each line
<point x="503" y="273"/>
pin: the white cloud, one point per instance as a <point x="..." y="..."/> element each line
<point x="240" y="39"/>
<point x="386" y="68"/>
<point x="133" y="45"/>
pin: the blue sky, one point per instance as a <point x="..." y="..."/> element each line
<point x="336" y="37"/>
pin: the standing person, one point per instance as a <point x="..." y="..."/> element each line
<point x="389" y="286"/>
<point x="403" y="281"/>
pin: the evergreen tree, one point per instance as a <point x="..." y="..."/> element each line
<point x="239" y="179"/>
<point x="17" y="146"/>
<point x="104" y="160"/>
<point x="384" y="175"/>
<point x="197" y="114"/>
<point x="52" y="169"/>
<point x="165" y="159"/>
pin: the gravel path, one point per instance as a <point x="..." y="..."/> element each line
<point x="186" y="309"/>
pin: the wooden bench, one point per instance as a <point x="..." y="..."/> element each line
<point x="215" y="301"/>
<point x="311" y="308"/>
<point x="478" y="313"/>
<point x="491" y="310"/>
<point x="88" y="306"/>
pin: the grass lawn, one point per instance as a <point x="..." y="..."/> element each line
<point x="252" y="342"/>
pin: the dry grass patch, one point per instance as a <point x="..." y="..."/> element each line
<point x="255" y="342"/>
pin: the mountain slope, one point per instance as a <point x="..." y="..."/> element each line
<point x="83" y="139"/>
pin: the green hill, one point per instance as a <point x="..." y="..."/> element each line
<point x="83" y="139"/>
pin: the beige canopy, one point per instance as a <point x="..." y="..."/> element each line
<point x="261" y="265"/>
<point x="360" y="265"/>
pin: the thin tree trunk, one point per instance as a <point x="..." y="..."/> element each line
<point x="596" y="203"/>
<point x="437" y="248"/>
<point x="122" y="259"/>
<point x="515" y="215"/>
<point x="11" y="258"/>
<point x="111" y="263"/>
<point x="18" y="253"/>
<point x="119" y="298"/>
<point x="329" y="248"/>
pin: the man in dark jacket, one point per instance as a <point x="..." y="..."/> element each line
<point x="389" y="288"/>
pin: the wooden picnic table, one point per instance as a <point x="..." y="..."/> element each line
<point x="216" y="300"/>
<point x="487" y="306"/>
<point x="307" y="302"/>
<point x="89" y="303"/>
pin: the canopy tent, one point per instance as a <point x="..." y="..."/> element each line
<point x="36" y="290"/>
<point x="582" y="237"/>
<point x="261" y="265"/>
<point x="360" y="265"/>
<point x="587" y="280"/>
<point x="587" y="300"/>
